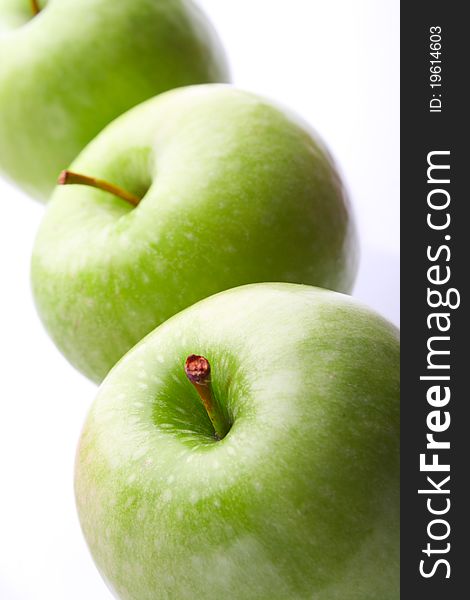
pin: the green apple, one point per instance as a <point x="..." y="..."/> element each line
<point x="69" y="70"/>
<point x="299" y="495"/>
<point x="233" y="190"/>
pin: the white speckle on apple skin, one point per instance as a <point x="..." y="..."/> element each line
<point x="169" y="579"/>
<point x="139" y="453"/>
<point x="165" y="426"/>
<point x="129" y="502"/>
<point x="124" y="241"/>
<point x="158" y="543"/>
<point x="166" y="496"/>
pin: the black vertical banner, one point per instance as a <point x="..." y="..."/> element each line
<point x="435" y="250"/>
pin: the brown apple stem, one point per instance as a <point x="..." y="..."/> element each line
<point x="198" y="370"/>
<point x="35" y="8"/>
<point x="69" y="177"/>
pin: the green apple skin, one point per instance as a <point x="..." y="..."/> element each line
<point x="69" y="71"/>
<point x="299" y="500"/>
<point x="237" y="191"/>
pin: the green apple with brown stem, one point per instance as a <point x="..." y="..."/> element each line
<point x="69" y="67"/>
<point x="212" y="187"/>
<point x="272" y="474"/>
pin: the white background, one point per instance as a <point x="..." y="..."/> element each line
<point x="334" y="62"/>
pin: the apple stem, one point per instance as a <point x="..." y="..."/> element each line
<point x="69" y="177"/>
<point x="198" y="370"/>
<point x="35" y="8"/>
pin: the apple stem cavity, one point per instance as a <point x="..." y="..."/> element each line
<point x="35" y="8"/>
<point x="198" y="371"/>
<point x="69" y="178"/>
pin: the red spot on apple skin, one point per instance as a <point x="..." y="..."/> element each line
<point x="197" y="369"/>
